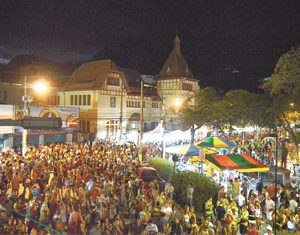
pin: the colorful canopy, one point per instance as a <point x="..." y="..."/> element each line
<point x="188" y="149"/>
<point x="238" y="162"/>
<point x="213" y="142"/>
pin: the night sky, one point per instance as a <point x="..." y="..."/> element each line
<point x="227" y="44"/>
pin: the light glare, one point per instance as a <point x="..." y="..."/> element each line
<point x="40" y="87"/>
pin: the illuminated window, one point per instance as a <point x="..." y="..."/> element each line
<point x="112" y="128"/>
<point x="187" y="87"/>
<point x="113" y="79"/>
<point x="154" y="105"/>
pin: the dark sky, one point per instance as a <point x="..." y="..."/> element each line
<point x="226" y="43"/>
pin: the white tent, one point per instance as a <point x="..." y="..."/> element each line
<point x="156" y="134"/>
<point x="203" y="129"/>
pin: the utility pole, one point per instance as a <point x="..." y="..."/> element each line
<point x="121" y="115"/>
<point x="25" y="113"/>
<point x="141" y="120"/>
<point x="163" y="119"/>
<point x="276" y="179"/>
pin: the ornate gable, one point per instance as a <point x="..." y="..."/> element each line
<point x="175" y="66"/>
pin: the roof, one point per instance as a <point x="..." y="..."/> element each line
<point x="238" y="162"/>
<point x="176" y="66"/>
<point x="92" y="75"/>
<point x="133" y="77"/>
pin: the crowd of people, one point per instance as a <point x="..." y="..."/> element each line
<point x="246" y="211"/>
<point x="91" y="188"/>
<point x="86" y="188"/>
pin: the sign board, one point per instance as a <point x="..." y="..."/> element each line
<point x="7" y="112"/>
<point x="69" y="116"/>
<point x="202" y="155"/>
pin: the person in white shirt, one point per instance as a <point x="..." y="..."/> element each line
<point x="151" y="228"/>
<point x="166" y="210"/>
<point x="241" y="199"/>
<point x="293" y="204"/>
<point x="89" y="185"/>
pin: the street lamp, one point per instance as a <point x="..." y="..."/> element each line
<point x="163" y="119"/>
<point x="39" y="87"/>
<point x="141" y="121"/>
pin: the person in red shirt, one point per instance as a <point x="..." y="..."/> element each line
<point x="253" y="230"/>
<point x="94" y="192"/>
<point x="71" y="167"/>
<point x="79" y="162"/>
<point x="271" y="191"/>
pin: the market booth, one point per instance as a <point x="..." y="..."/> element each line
<point x="239" y="162"/>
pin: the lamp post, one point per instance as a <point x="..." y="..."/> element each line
<point x="27" y="100"/>
<point x="25" y="113"/>
<point x="163" y="119"/>
<point x="276" y="164"/>
<point x="141" y="121"/>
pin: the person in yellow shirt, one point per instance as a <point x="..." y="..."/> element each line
<point x="244" y="220"/>
<point x="236" y="187"/>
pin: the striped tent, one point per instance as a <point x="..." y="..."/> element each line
<point x="238" y="162"/>
<point x="188" y="150"/>
<point x="213" y="142"/>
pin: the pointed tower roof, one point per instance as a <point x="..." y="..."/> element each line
<point x="176" y="66"/>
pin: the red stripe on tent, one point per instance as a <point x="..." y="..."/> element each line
<point x="252" y="160"/>
<point x="225" y="161"/>
<point x="199" y="141"/>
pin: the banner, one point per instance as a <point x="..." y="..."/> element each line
<point x="69" y="116"/>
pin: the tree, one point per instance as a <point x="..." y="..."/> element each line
<point x="259" y="116"/>
<point x="196" y="110"/>
<point x="283" y="87"/>
<point x="232" y="110"/>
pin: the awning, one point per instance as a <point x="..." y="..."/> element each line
<point x="188" y="149"/>
<point x="238" y="162"/>
<point x="213" y="142"/>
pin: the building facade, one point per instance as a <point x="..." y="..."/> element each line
<point x="109" y="98"/>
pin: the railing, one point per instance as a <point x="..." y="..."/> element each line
<point x="36" y="222"/>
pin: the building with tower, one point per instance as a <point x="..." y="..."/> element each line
<point x="176" y="80"/>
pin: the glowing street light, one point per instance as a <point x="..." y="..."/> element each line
<point x="177" y="102"/>
<point x="40" y="87"/>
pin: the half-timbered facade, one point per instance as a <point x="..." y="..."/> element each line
<point x="109" y="98"/>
